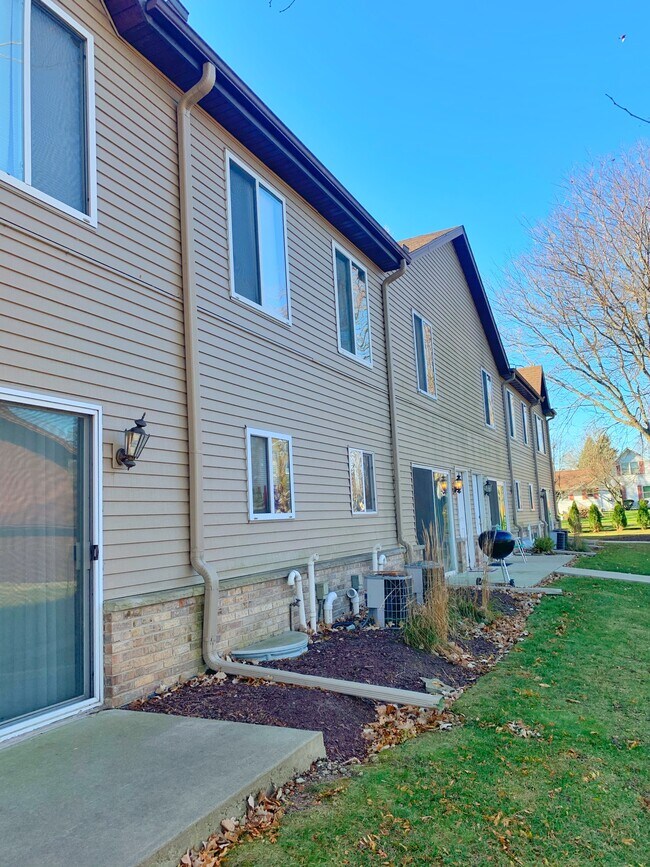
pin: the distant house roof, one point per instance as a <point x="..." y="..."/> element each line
<point x="567" y="481"/>
<point x="158" y="29"/>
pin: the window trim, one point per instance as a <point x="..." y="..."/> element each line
<point x="234" y="295"/>
<point x="484" y="373"/>
<point x="424" y="321"/>
<point x="539" y="428"/>
<point x="524" y="424"/>
<point x="269" y="436"/>
<point x="518" y="496"/>
<point x="510" y="409"/>
<point x="357" y="261"/>
<point x="531" y="497"/>
<point x="363" y="451"/>
<point x="24" y="186"/>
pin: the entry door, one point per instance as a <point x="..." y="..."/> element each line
<point x="465" y="520"/>
<point x="46" y="561"/>
<point x="545" y="513"/>
<point x="431" y="494"/>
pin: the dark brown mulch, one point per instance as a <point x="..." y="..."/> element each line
<point x="380" y="656"/>
<point x="341" y="718"/>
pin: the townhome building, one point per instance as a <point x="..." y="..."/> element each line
<point x="196" y="388"/>
<point x="472" y="438"/>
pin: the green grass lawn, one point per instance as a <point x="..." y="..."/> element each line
<point x="608" y="527"/>
<point x="480" y="795"/>
<point x="619" y="558"/>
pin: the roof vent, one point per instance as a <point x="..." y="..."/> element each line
<point x="178" y="7"/>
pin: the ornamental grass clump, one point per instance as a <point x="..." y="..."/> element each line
<point x="427" y="625"/>
<point x="619" y="518"/>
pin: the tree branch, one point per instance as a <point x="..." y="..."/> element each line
<point x="627" y="110"/>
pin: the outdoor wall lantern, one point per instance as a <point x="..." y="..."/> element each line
<point x="458" y="484"/>
<point x="487" y="488"/>
<point x="444" y="486"/>
<point x="135" y="439"/>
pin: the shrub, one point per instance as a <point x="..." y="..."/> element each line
<point x="574" y="520"/>
<point x="543" y="545"/>
<point x="419" y="631"/>
<point x="619" y="518"/>
<point x="595" y="518"/>
<point x="644" y="514"/>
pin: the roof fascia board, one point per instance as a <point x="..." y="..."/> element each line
<point x="156" y="30"/>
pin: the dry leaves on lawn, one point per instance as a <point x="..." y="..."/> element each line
<point x="396" y="724"/>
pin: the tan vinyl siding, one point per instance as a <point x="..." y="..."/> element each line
<point x="262" y="373"/>
<point x="94" y="314"/>
<point x="523" y="462"/>
<point x="449" y="432"/>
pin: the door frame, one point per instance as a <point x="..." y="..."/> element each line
<point x="452" y="528"/>
<point x="94" y="413"/>
<point x="468" y="496"/>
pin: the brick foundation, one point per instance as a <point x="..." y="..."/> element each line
<point x="155" y="641"/>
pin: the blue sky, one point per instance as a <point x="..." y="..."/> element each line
<point x="434" y="114"/>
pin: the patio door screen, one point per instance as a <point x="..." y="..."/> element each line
<point x="432" y="501"/>
<point x="45" y="560"/>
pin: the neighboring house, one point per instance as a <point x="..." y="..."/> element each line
<point x="126" y="233"/>
<point x="633" y="475"/>
<point x="462" y="412"/>
<point x="578" y="486"/>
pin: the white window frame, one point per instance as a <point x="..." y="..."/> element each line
<point x="531" y="497"/>
<point x="374" y="511"/>
<point x="485" y="373"/>
<point x="260" y="308"/>
<point x="539" y="435"/>
<point x="512" y="422"/>
<point x="94" y="412"/>
<point x="357" y="261"/>
<point x="627" y="467"/>
<point x="524" y="423"/>
<point x="270" y="436"/>
<point x="425" y="322"/>
<point x="518" y="496"/>
<point x="25" y="186"/>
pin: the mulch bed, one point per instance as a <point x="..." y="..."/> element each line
<point x="375" y="656"/>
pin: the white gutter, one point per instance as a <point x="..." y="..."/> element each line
<point x="195" y="445"/>
<point x="392" y="402"/>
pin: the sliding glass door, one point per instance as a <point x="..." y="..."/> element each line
<point x="433" y="521"/>
<point x="46" y="560"/>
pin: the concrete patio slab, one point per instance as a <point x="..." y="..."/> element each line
<point x="601" y="573"/>
<point x="125" y="788"/>
<point x="529" y="574"/>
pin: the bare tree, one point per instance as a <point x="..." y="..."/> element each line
<point x="581" y="295"/>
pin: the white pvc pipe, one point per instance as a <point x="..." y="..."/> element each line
<point x="353" y="596"/>
<point x="382" y="561"/>
<point x="294" y="579"/>
<point x="375" y="558"/>
<point x="311" y="585"/>
<point x="328" y="608"/>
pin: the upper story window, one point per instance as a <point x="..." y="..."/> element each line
<point x="531" y="497"/>
<point x="352" y="311"/>
<point x="487" y="398"/>
<point x="524" y="423"/>
<point x="630" y="467"/>
<point x="512" y="430"/>
<point x="258" y="253"/>
<point x="47" y="104"/>
<point x="362" y="482"/>
<point x="424" y="355"/>
<point x="270" y="475"/>
<point x="539" y="428"/>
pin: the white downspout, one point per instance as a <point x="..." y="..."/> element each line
<point x="311" y="589"/>
<point x="294" y="579"/>
<point x="195" y="445"/>
<point x="392" y="404"/>
<point x="504" y="400"/>
<point x="328" y="608"/>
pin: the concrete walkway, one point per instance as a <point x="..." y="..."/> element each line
<point x="601" y="573"/>
<point x="124" y="788"/>
<point x="525" y="575"/>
